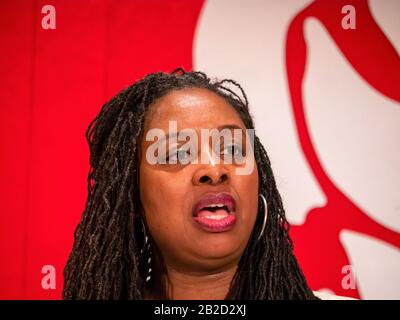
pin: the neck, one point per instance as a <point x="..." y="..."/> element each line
<point x="199" y="286"/>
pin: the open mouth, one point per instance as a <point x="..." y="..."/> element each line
<point x="215" y="212"/>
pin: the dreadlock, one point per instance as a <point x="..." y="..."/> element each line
<point x="106" y="260"/>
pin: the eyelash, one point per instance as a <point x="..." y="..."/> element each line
<point x="235" y="147"/>
<point x="175" y="153"/>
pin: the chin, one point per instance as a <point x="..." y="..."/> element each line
<point x="221" y="248"/>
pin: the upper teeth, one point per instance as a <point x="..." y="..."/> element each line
<point x="216" y="205"/>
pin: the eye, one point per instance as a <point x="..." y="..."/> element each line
<point x="233" y="150"/>
<point x="179" y="155"/>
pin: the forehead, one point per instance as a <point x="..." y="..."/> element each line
<point x="193" y="108"/>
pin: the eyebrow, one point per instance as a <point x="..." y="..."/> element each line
<point x="230" y="126"/>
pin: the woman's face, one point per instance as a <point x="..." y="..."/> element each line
<point x="199" y="214"/>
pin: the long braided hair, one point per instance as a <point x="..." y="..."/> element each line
<point x="106" y="260"/>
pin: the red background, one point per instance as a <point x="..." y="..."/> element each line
<point x="53" y="83"/>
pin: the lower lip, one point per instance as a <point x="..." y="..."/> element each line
<point x="211" y="225"/>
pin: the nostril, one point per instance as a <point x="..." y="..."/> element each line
<point x="207" y="179"/>
<point x="223" y="178"/>
<point x="204" y="179"/>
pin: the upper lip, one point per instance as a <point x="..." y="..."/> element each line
<point x="209" y="199"/>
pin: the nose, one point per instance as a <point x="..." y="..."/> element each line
<point x="211" y="175"/>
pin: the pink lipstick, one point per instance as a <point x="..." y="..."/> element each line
<point x="215" y="212"/>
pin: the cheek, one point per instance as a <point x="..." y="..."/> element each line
<point x="161" y="198"/>
<point x="247" y="188"/>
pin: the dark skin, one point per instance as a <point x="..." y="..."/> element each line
<point x="200" y="264"/>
